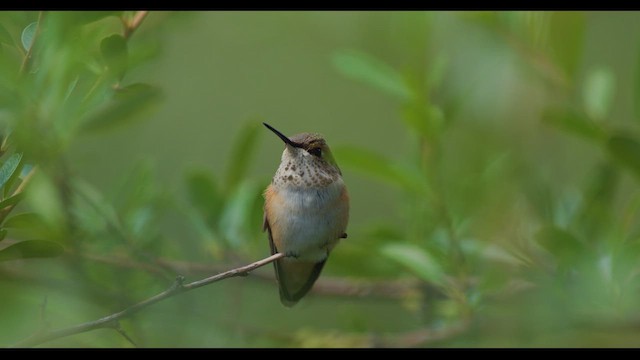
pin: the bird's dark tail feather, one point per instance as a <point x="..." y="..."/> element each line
<point x="296" y="278"/>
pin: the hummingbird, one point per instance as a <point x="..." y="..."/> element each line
<point x="306" y="212"/>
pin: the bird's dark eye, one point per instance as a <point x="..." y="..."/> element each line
<point x="315" y="151"/>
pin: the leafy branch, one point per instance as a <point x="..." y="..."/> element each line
<point x="29" y="50"/>
<point x="11" y="168"/>
<point x="112" y="321"/>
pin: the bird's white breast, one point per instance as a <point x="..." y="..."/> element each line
<point x="310" y="219"/>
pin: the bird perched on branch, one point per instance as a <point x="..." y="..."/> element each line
<point x="306" y="212"/>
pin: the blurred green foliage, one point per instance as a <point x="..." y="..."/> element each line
<point x="492" y="159"/>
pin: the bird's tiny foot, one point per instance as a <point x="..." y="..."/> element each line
<point x="343" y="236"/>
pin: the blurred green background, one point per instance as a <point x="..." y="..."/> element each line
<point x="492" y="160"/>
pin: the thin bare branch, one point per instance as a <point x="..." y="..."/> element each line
<point x="327" y="286"/>
<point x="111" y="320"/>
<point x="131" y="27"/>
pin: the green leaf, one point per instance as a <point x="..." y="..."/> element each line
<point x="416" y="259"/>
<point x="26" y="169"/>
<point x="28" y="35"/>
<point x="206" y="235"/>
<point x="563" y="245"/>
<point x="204" y="195"/>
<point x="115" y="54"/>
<point x="235" y="224"/>
<point x="140" y="222"/>
<point x="573" y="122"/>
<point x="125" y="106"/>
<point x="10" y="201"/>
<point x="3" y="234"/>
<point x="241" y="153"/>
<point x="91" y="196"/>
<point x="28" y="225"/>
<point x="23" y="220"/>
<point x="17" y="174"/>
<point x="378" y="166"/>
<point x="494" y="252"/>
<point x="43" y="197"/>
<point x="364" y="67"/>
<point x="598" y="92"/>
<point x="8" y="169"/>
<point x="138" y="189"/>
<point x="31" y="249"/>
<point x="626" y="150"/>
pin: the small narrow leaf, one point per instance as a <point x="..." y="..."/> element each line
<point x="626" y="151"/>
<point x="376" y="165"/>
<point x="17" y="174"/>
<point x="416" y="259"/>
<point x="241" y="153"/>
<point x="26" y="169"/>
<point x="205" y="232"/>
<point x="234" y="221"/>
<point x="115" y="54"/>
<point x="366" y="68"/>
<point x="44" y="198"/>
<point x="24" y="220"/>
<point x="497" y="253"/>
<point x="204" y="195"/>
<point x="98" y="203"/>
<point x="12" y="200"/>
<point x="125" y="106"/>
<point x="31" y="249"/>
<point x="559" y="242"/>
<point x="9" y="167"/>
<point x="598" y="92"/>
<point x="139" y="222"/>
<point x="28" y="35"/>
<point x="138" y="189"/>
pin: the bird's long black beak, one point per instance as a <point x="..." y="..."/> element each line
<point x="281" y="136"/>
